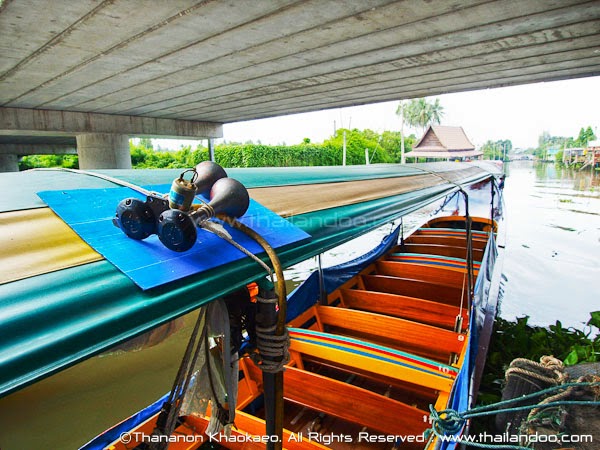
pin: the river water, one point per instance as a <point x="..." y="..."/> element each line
<point x="553" y="243"/>
<point x="552" y="267"/>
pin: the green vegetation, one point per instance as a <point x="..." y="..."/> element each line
<point x="143" y="157"/>
<point x="554" y="145"/>
<point x="585" y="136"/>
<point x="519" y="340"/>
<point x="383" y="148"/>
<point x="546" y="143"/>
<point x="497" y="149"/>
<point x="34" y="161"/>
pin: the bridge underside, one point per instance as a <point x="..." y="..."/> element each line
<point x="215" y="62"/>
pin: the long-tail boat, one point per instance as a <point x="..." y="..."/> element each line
<point x="372" y="343"/>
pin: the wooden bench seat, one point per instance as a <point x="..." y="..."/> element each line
<point x="377" y="359"/>
<point x="442" y="250"/>
<point x="414" y="309"/>
<point x="454" y="241"/>
<point x="245" y="424"/>
<point x="479" y="238"/>
<point x="412" y="288"/>
<point x="459" y="222"/>
<point x="443" y="262"/>
<point x="403" y="333"/>
<point x="452" y="232"/>
<point x="350" y="403"/>
<point x="413" y="393"/>
<point x="415" y="268"/>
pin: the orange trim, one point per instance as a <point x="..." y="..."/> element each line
<point x="253" y="291"/>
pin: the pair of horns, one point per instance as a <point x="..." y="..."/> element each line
<point x="176" y="228"/>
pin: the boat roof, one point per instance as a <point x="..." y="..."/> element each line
<point x="61" y="302"/>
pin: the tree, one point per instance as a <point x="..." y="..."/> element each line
<point x="543" y="138"/>
<point x="585" y="136"/>
<point x="496" y="149"/>
<point x="418" y="113"/>
<point x="146" y="143"/>
<point x="548" y="145"/>
<point x="356" y="143"/>
<point x="436" y="112"/>
<point x="33" y="161"/>
<point x="392" y="141"/>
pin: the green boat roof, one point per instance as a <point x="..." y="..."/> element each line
<point x="55" y="319"/>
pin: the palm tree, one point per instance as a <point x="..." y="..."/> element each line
<point x="436" y="112"/>
<point x="418" y="113"/>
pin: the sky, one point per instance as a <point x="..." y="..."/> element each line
<point x="519" y="113"/>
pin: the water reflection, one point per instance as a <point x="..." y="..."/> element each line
<point x="552" y="260"/>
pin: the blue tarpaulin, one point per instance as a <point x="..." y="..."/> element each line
<point x="148" y="263"/>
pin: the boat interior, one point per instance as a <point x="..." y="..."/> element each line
<point x="367" y="361"/>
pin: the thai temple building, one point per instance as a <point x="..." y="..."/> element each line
<point x="445" y="142"/>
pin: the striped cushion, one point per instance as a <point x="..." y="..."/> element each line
<point x="354" y="346"/>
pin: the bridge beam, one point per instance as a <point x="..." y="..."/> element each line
<point x="22" y="121"/>
<point x="37" y="149"/>
<point x="102" y="139"/>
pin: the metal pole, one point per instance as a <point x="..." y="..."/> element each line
<point x="322" y="292"/>
<point x="344" y="151"/>
<point x="402" y="156"/>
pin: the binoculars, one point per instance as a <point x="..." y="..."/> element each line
<point x="174" y="218"/>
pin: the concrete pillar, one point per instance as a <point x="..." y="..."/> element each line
<point x="9" y="163"/>
<point x="103" y="151"/>
<point x="211" y="150"/>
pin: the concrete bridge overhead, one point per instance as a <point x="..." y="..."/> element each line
<point x="100" y="71"/>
